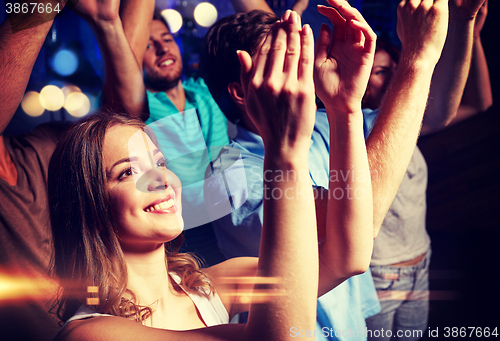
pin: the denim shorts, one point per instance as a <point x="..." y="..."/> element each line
<point x="404" y="297"/>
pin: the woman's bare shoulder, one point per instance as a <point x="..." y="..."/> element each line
<point x="101" y="328"/>
<point x="105" y="328"/>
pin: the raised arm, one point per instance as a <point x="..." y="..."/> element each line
<point x="136" y="16"/>
<point x="21" y="38"/>
<point x="422" y="27"/>
<point x="123" y="88"/>
<point x="452" y="70"/>
<point x="342" y="69"/>
<point x="279" y="97"/>
<point x="477" y="95"/>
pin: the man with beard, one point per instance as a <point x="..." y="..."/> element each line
<point x="184" y="115"/>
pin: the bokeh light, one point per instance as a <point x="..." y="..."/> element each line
<point x="77" y="104"/>
<point x="31" y="104"/>
<point x="65" y="62"/>
<point x="52" y="98"/>
<point x="173" y="18"/>
<point x="70" y="89"/>
<point x="205" y="14"/>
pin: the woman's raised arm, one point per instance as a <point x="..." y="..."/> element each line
<point x="279" y="98"/>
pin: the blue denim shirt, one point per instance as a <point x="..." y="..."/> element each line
<point x="236" y="187"/>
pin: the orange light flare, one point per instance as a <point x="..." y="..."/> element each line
<point x="256" y="289"/>
<point x="16" y="288"/>
<point x="93" y="300"/>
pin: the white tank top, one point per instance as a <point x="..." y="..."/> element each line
<point x="211" y="309"/>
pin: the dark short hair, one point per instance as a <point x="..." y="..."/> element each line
<point x="157" y="16"/>
<point x="219" y="63"/>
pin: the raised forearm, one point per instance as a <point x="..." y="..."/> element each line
<point x="451" y="73"/>
<point x="422" y="32"/>
<point x="21" y="38"/>
<point x="477" y="94"/>
<point x="136" y="18"/>
<point x="123" y="88"/>
<point x="393" y="138"/>
<point x="288" y="250"/>
<point x="279" y="99"/>
<point x="347" y="248"/>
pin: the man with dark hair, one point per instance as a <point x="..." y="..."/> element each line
<point x="190" y="119"/>
<point x="340" y="83"/>
<point x="219" y="63"/>
<point x="162" y="78"/>
<point x="241" y="164"/>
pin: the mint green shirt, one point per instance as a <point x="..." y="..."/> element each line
<point x="189" y="140"/>
<point x="212" y="121"/>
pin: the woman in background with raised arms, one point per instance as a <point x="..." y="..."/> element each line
<point x="114" y="204"/>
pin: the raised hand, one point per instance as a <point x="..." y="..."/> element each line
<point x="422" y="28"/>
<point x="344" y="58"/>
<point x="480" y="19"/>
<point x="469" y="8"/>
<point x="278" y="84"/>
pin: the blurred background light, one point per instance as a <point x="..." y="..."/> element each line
<point x="65" y="62"/>
<point x="77" y="104"/>
<point x="70" y="89"/>
<point x="205" y="14"/>
<point x="173" y="18"/>
<point x="52" y="98"/>
<point x="31" y="104"/>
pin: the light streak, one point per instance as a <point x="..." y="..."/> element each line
<point x="19" y="288"/>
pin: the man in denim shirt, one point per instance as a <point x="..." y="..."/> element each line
<point x="237" y="179"/>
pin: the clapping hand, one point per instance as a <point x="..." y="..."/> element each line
<point x="422" y="27"/>
<point x="469" y="8"/>
<point x="480" y="18"/>
<point x="278" y="85"/>
<point x="344" y="58"/>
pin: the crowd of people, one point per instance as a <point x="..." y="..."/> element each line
<point x="319" y="213"/>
